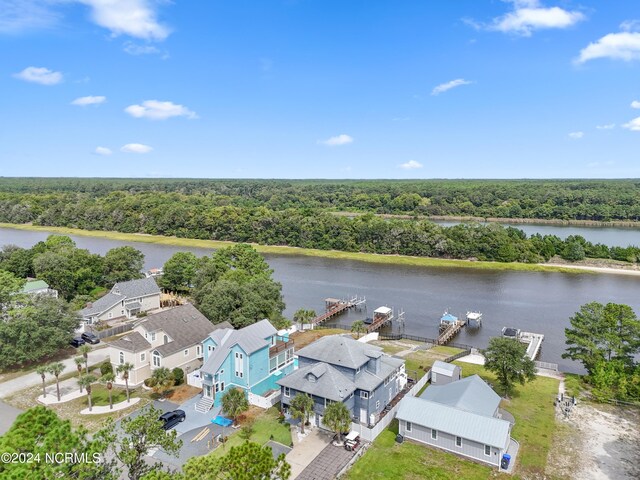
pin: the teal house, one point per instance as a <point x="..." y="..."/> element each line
<point x="252" y="358"/>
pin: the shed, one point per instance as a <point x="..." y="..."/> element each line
<point x="443" y="373"/>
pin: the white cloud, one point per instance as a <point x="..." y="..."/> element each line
<point x="633" y="125"/>
<point x="608" y="126"/>
<point x="136" y="18"/>
<point x="136" y="148"/>
<point x="528" y="16"/>
<point x="337" y="140"/>
<point x="136" y="49"/>
<point x="635" y="104"/>
<point x="443" y="87"/>
<point x="623" y="45"/>
<point x="156" y="110"/>
<point x="89" y="100"/>
<point x="411" y="165"/>
<point x="40" y="75"/>
<point x="576" y="135"/>
<point x="103" y="151"/>
<point x="21" y="15"/>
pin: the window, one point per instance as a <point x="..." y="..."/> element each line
<point x="487" y="450"/>
<point x="110" y="315"/>
<point x="121" y="359"/>
<point x="273" y="364"/>
<point x="434" y="434"/>
<point x="153" y="336"/>
<point x="186" y="352"/>
<point x="377" y="404"/>
<point x="328" y="402"/>
<point x="364" y="395"/>
<point x="408" y="426"/>
<point x="143" y="357"/>
<point x="121" y="312"/>
<point x="210" y="348"/>
<point x="156" y="359"/>
<point x="238" y="365"/>
<point x="458" y="441"/>
<point x="166" y="339"/>
<point x="287" y="392"/>
<point x="198" y="350"/>
<point x="146" y="335"/>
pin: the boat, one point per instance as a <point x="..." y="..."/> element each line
<point x="510" y="332"/>
<point x="474" y="319"/>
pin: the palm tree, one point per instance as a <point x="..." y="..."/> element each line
<point x="303" y="316"/>
<point x="163" y="379"/>
<point x="84" y="350"/>
<point x="56" y="369"/>
<point x="338" y="418"/>
<point x="79" y="361"/>
<point x="234" y="402"/>
<point x="42" y="371"/>
<point x="124" y="370"/>
<point x="301" y="406"/>
<point x="358" y="327"/>
<point x="86" y="381"/>
<point x="108" y="379"/>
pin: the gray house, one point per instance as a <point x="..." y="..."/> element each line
<point x="341" y="369"/>
<point x="462" y="417"/>
<point x="443" y="373"/>
<point x="125" y="300"/>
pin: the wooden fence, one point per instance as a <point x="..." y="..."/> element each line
<point x="111" y="331"/>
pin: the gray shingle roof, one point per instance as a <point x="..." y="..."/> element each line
<point x="471" y="394"/>
<point x="133" y="342"/>
<point x="184" y="325"/>
<point x="250" y="338"/>
<point x="137" y="288"/>
<point x="479" y="428"/>
<point x="443" y="368"/>
<point x="329" y="382"/>
<point x="339" y="350"/>
<point x="102" y="304"/>
<point x="369" y="381"/>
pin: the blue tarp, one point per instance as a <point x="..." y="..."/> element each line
<point x="222" y="421"/>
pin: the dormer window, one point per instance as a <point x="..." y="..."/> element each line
<point x="153" y="336"/>
<point x="311" y="378"/>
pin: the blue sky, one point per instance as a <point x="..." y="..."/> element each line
<point x="320" y="88"/>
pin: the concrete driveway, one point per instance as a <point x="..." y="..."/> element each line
<point x="304" y="452"/>
<point x="8" y="415"/>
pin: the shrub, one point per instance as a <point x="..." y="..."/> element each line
<point x="141" y="314"/>
<point x="178" y="376"/>
<point x="149" y="382"/>
<point x="106" y="367"/>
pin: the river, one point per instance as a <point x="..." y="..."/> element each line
<point x="532" y="301"/>
<point x="610" y="236"/>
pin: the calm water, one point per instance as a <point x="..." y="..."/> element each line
<point x="532" y="301"/>
<point x="610" y="236"/>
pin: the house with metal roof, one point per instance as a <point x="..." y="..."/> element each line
<point x="462" y="417"/>
<point x="39" y="287"/>
<point x="341" y="369"/>
<point x="125" y="300"/>
<point x="251" y="358"/>
<point x="172" y="338"/>
<point x="443" y="373"/>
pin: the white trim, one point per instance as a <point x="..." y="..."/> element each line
<point x="407" y="426"/>
<point x="287" y="392"/>
<point x="485" y="451"/>
<point x="434" y="434"/>
<point x="364" y="395"/>
<point x="459" y="445"/>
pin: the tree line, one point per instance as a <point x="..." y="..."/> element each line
<point x="600" y="200"/>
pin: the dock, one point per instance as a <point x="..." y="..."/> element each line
<point x="534" y="341"/>
<point x="336" y="306"/>
<point x="449" y="332"/>
<point x="383" y="316"/>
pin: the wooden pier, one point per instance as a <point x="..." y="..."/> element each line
<point x="534" y="343"/>
<point x="383" y="316"/>
<point x="336" y="306"/>
<point x="449" y="332"/>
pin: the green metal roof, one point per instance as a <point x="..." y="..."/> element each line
<point x="34" y="285"/>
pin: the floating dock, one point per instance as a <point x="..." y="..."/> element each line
<point x="532" y="340"/>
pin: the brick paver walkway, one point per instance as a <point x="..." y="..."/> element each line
<point x="327" y="464"/>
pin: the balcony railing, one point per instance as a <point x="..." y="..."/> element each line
<point x="280" y="346"/>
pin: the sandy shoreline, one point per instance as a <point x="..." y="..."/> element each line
<point x="610" y="270"/>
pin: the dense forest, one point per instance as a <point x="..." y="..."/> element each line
<point x="301" y="213"/>
<point x="599" y="200"/>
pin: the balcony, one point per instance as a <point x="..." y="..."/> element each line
<point x="280" y="346"/>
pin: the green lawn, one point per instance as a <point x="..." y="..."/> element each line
<point x="532" y="407"/>
<point x="386" y="459"/>
<point x="265" y="426"/>
<point x="100" y="395"/>
<point x="422" y="360"/>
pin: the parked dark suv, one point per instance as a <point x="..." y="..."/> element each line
<point x="171" y="419"/>
<point x="91" y="338"/>
<point x="76" y="342"/>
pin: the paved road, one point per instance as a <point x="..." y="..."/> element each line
<point x="27" y="380"/>
<point x="7" y="416"/>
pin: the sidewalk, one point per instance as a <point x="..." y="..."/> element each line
<point x="97" y="355"/>
<point x="69" y="390"/>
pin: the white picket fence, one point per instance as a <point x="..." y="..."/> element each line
<point x="194" y="379"/>
<point x="370" y="434"/>
<point x="264" y="402"/>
